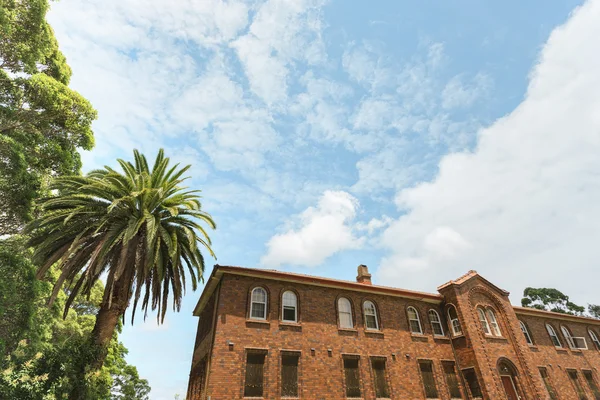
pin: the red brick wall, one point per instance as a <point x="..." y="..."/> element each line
<point x="321" y="373"/>
<point x="321" y="344"/>
<point x="557" y="361"/>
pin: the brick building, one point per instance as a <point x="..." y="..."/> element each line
<point x="269" y="334"/>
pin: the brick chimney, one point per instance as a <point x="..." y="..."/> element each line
<point x="364" y="276"/>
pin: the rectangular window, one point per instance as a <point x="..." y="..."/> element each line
<point x="576" y="384"/>
<point x="352" y="375"/>
<point x="289" y="375"/>
<point x="589" y="377"/>
<point x="549" y="387"/>
<point x="381" y="386"/>
<point x="428" y="378"/>
<point x="473" y="383"/>
<point x="451" y="379"/>
<point x="253" y="386"/>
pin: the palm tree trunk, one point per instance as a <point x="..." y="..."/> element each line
<point x="104" y="328"/>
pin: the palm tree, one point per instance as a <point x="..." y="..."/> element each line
<point x="140" y="229"/>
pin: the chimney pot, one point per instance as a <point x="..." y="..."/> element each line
<point x="363" y="276"/>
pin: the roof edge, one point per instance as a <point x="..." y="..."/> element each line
<point x="209" y="288"/>
<point x="555" y="315"/>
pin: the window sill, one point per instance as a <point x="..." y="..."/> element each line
<point x="374" y="333"/>
<point x="462" y="335"/>
<point x="498" y="338"/>
<point x="257" y="321"/>
<point x="561" y="350"/>
<point x="290" y="323"/>
<point x="532" y="346"/>
<point x="348" y="330"/>
<point x="577" y="350"/>
<point x="419" y="336"/>
<point x="445" y="338"/>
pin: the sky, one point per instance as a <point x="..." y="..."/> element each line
<point x="423" y="139"/>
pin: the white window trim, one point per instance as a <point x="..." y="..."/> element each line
<point x="340" y="312"/>
<point x="494" y="327"/>
<point x="552" y="333"/>
<point x="594" y="338"/>
<point x="483" y="322"/>
<point x="526" y="333"/>
<point x="252" y="302"/>
<point x="416" y="318"/>
<point x="374" y="314"/>
<point x="283" y="305"/>
<point x="572" y="340"/>
<point x="452" y="320"/>
<point x="438" y="322"/>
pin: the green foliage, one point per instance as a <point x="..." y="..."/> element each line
<point x="42" y="356"/>
<point x="42" y="121"/>
<point x="139" y="226"/>
<point x="550" y="300"/>
<point x="594" y="310"/>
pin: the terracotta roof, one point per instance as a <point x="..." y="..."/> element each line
<point x="468" y="276"/>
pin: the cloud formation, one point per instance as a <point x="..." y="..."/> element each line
<point x="323" y="231"/>
<point x="522" y="208"/>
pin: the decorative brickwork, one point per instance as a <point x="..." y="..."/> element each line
<point x="387" y="358"/>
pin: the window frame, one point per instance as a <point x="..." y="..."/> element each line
<point x="359" y="378"/>
<point x="552" y="334"/>
<point x="568" y="335"/>
<point x="526" y="333"/>
<point x="296" y="307"/>
<point x="377" y="324"/>
<point x="266" y="304"/>
<point x="493" y="322"/>
<point x="594" y="337"/>
<point x="483" y="322"/>
<point x="417" y="318"/>
<point x="421" y="362"/>
<point x="452" y="364"/>
<point x="592" y="383"/>
<point x="255" y="352"/>
<point x="387" y="388"/>
<point x="576" y="383"/>
<point x="548" y="384"/>
<point x="339" y="312"/>
<point x="452" y="320"/>
<point x="297" y="355"/>
<point x="438" y="322"/>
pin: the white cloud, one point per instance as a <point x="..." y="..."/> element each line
<point x="458" y="94"/>
<point x="522" y="208"/>
<point x="282" y="32"/>
<point x="324" y="230"/>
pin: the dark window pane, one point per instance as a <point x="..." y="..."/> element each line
<point x="254" y="375"/>
<point x="589" y="377"/>
<point x="258" y="310"/>
<point x="289" y="375"/>
<point x="352" y="377"/>
<point x="415" y="326"/>
<point x="289" y="314"/>
<point x="428" y="379"/>
<point x="452" y="380"/>
<point x="381" y="386"/>
<point x="578" y="388"/>
<point x="473" y="383"/>
<point x="548" y="384"/>
<point x="371" y="321"/>
<point x="437" y="329"/>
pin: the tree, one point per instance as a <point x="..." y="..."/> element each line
<point x="42" y="121"/>
<point x="140" y="228"/>
<point x="550" y="300"/>
<point x="594" y="310"/>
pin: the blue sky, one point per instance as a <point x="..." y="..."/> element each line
<point x="423" y="139"/>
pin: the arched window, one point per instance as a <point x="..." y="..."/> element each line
<point x="436" y="323"/>
<point x="553" y="336"/>
<point x="491" y="316"/>
<point x="370" y="312"/>
<point x="345" y="313"/>
<point x="568" y="337"/>
<point x="289" y="302"/>
<point x="454" y="322"/>
<point x="258" y="303"/>
<point x="483" y="320"/>
<point x="414" y="321"/>
<point x="526" y="333"/>
<point x="594" y="338"/>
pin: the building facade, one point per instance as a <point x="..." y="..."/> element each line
<point x="272" y="335"/>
